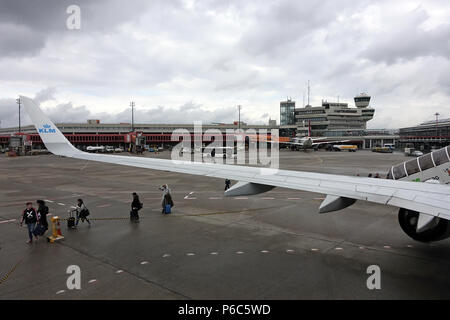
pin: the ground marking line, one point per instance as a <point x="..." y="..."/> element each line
<point x="6" y="276"/>
<point x="6" y="221"/>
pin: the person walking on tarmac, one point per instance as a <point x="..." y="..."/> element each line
<point x="136" y="205"/>
<point x="42" y="213"/>
<point x="29" y="216"/>
<point x="227" y="184"/>
<point x="82" y="212"/>
<point x="166" y="202"/>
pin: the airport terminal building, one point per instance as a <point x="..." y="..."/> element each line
<point x="95" y="133"/>
<point x="336" y="120"/>
<point x="427" y="135"/>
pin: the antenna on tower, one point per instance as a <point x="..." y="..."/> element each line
<point x="437" y="114"/>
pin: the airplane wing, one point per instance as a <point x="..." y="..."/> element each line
<point x="341" y="191"/>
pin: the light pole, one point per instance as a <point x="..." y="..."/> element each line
<point x="437" y="114"/>
<point x="239" y="122"/>
<point x="19" y="102"/>
<point x="132" y="115"/>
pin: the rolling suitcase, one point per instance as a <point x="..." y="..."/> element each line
<point x="39" y="230"/>
<point x="168" y="209"/>
<point x="71" y="220"/>
<point x="134" y="216"/>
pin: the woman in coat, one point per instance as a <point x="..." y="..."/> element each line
<point x="82" y="212"/>
<point x="136" y="205"/>
<point x="166" y="198"/>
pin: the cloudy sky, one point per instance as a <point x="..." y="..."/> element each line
<point x="187" y="60"/>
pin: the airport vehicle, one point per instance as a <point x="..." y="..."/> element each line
<point x="424" y="208"/>
<point x="382" y="149"/>
<point x="345" y="147"/>
<point x="413" y="152"/>
<point x="186" y="150"/>
<point x="95" y="149"/>
<point x="109" y="149"/>
<point x="220" y="152"/>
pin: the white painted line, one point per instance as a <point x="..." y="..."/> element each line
<point x="239" y="252"/>
<point x="362" y="248"/>
<point x="166" y="255"/>
<point x="92" y="281"/>
<point x="215" y="198"/>
<point x="241" y="198"/>
<point x="61" y="204"/>
<point x="264" y="251"/>
<point x="290" y="251"/>
<point x="191" y="198"/>
<point x="60" y="291"/>
<point x="6" y="221"/>
<point x="315" y="249"/>
<point x="144" y="262"/>
<point x="214" y="253"/>
<point x="103" y="206"/>
<point x="267" y="198"/>
<point x="73" y="207"/>
<point x="187" y="197"/>
<point x="410" y="246"/>
<point x="338" y="248"/>
<point x="190" y="254"/>
<point x="46" y="200"/>
<point x="119" y="271"/>
<point x="387" y="247"/>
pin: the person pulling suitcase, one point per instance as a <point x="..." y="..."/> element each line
<point x="136" y="205"/>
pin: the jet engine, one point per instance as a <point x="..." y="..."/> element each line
<point x="423" y="227"/>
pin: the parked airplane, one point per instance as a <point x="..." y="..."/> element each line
<point x="308" y="142"/>
<point x="424" y="207"/>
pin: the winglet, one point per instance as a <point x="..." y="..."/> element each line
<point x="54" y="140"/>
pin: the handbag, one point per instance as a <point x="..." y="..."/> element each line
<point x="39" y="230"/>
<point x="84" y="213"/>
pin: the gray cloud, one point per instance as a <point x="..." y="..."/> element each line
<point x="409" y="40"/>
<point x="222" y="53"/>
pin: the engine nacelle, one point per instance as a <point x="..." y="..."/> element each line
<point x="438" y="230"/>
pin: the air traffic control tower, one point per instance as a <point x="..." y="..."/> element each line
<point x="335" y="118"/>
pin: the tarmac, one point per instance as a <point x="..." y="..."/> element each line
<point x="269" y="246"/>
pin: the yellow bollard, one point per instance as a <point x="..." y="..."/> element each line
<point x="56" y="230"/>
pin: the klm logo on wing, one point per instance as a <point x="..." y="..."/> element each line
<point x="46" y="128"/>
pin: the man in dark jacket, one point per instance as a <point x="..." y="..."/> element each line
<point x="136" y="205"/>
<point x="29" y="216"/>
<point x="227" y="184"/>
